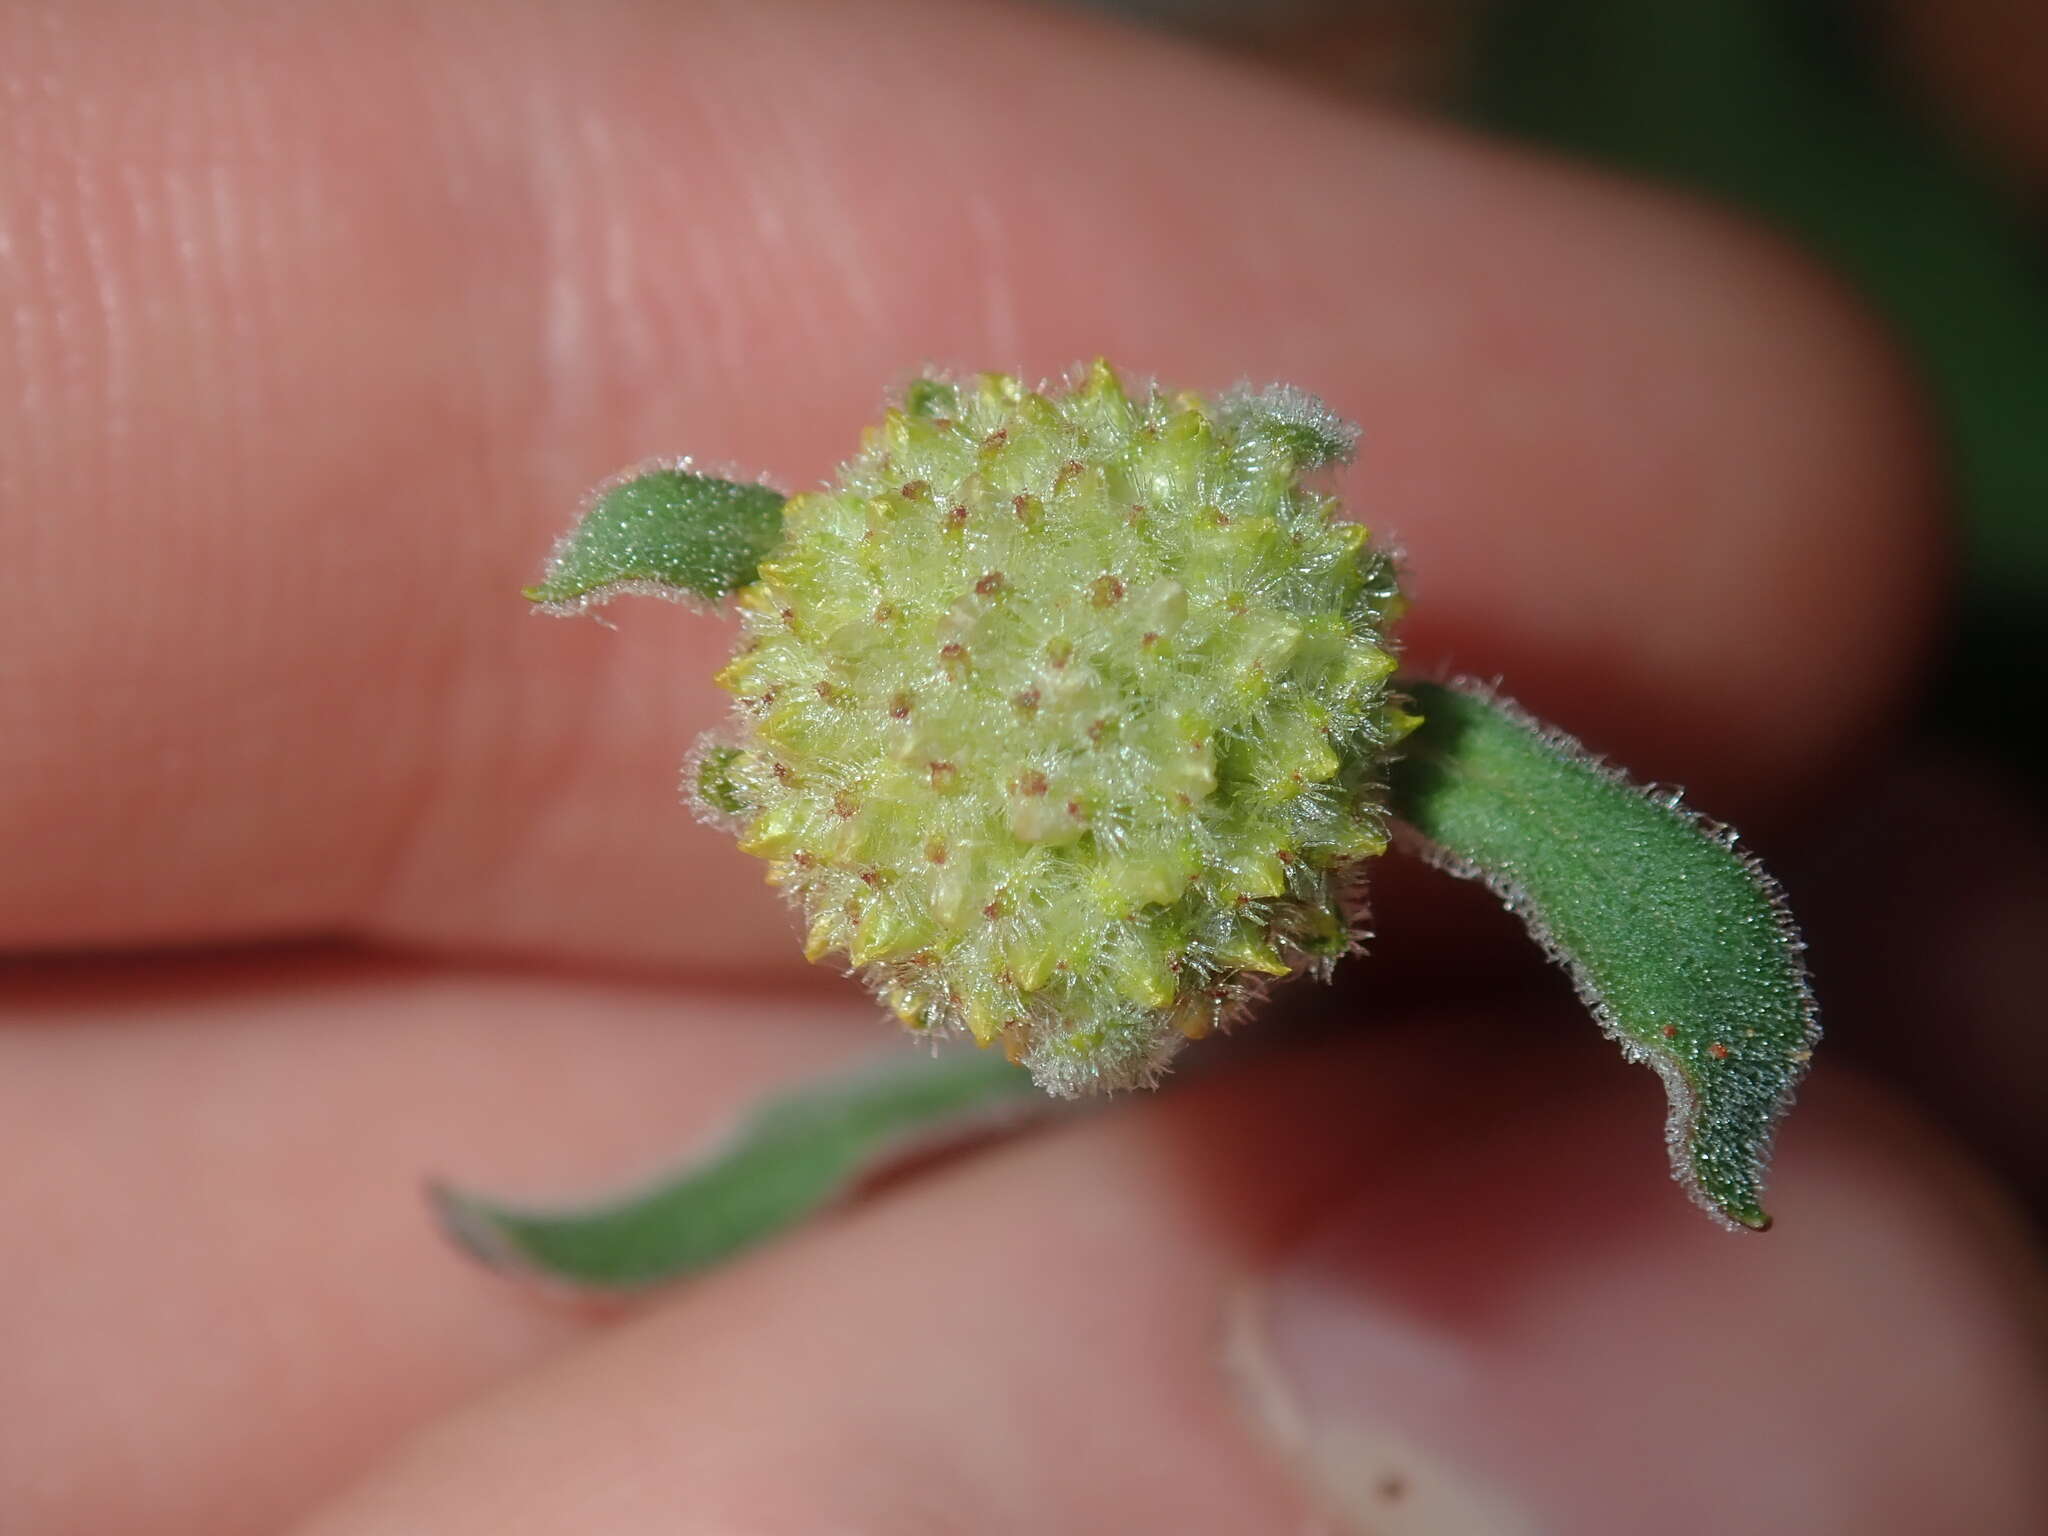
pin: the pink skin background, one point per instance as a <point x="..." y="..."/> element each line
<point x="337" y="869"/>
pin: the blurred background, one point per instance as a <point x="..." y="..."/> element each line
<point x="1904" y="143"/>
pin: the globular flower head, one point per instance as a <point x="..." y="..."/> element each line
<point x="1061" y="715"/>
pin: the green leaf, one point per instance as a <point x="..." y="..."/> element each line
<point x="665" y="531"/>
<point x="1676" y="939"/>
<point x="791" y="1157"/>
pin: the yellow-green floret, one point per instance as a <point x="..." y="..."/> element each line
<point x="1062" y="714"/>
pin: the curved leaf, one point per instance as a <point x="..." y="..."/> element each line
<point x="662" y="530"/>
<point x="791" y="1157"/>
<point x="1675" y="938"/>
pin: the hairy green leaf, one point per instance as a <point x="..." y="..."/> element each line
<point x="666" y="531"/>
<point x="791" y="1157"/>
<point x="1677" y="941"/>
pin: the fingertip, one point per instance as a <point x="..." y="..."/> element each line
<point x="1867" y="1369"/>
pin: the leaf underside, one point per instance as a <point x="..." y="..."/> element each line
<point x="663" y="530"/>
<point x="1676" y="939"/>
<point x="791" y="1157"/>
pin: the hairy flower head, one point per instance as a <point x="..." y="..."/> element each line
<point x="1062" y="714"/>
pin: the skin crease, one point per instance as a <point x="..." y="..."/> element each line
<point x="318" y="322"/>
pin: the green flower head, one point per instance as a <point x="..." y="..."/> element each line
<point x="1062" y="715"/>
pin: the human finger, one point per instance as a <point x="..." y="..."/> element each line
<point x="225" y="1292"/>
<point x="304" y="389"/>
<point x="1289" y="1293"/>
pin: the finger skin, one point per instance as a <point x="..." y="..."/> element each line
<point x="224" y="1290"/>
<point x="236" y="1301"/>
<point x="300" y="389"/>
<point x="1032" y="1342"/>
